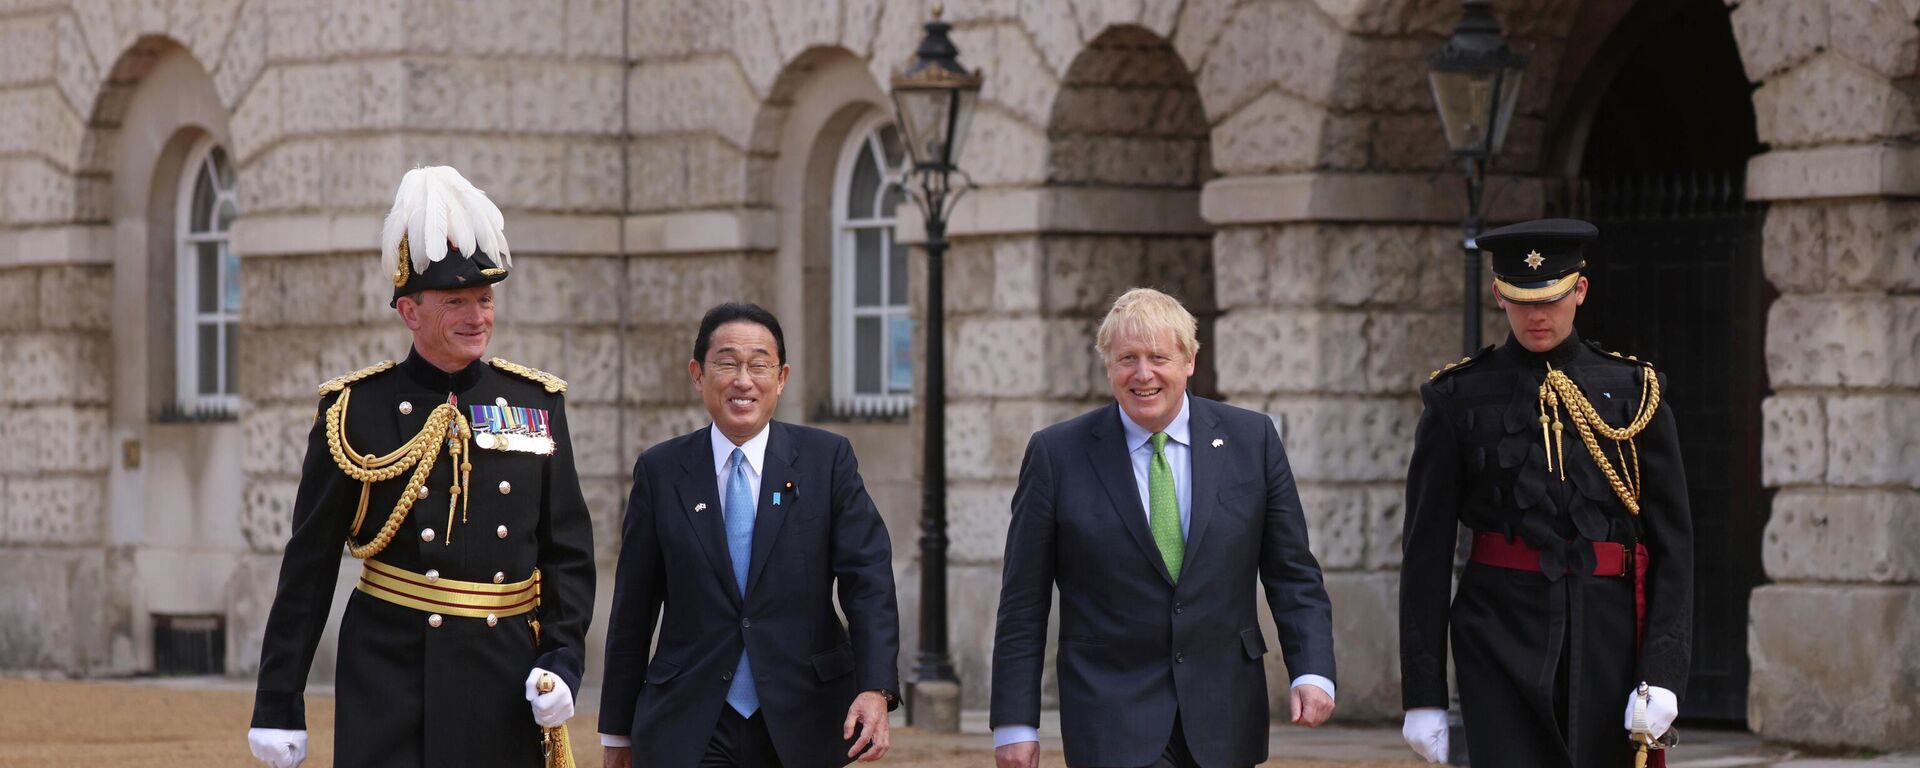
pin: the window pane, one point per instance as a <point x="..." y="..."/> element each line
<point x="900" y="354"/>
<point x="209" y="362"/>
<point x="225" y="220"/>
<point x="218" y="159"/>
<point x="866" y="267"/>
<point x="203" y="200"/>
<point x="230" y="354"/>
<point x="896" y="273"/>
<point x="207" y="279"/>
<point x="891" y="202"/>
<point x="890" y="143"/>
<point x="866" y="181"/>
<point x="866" y="355"/>
<point x="229" y="277"/>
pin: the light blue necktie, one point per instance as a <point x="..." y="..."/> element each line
<point x="739" y="514"/>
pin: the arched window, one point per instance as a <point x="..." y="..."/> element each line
<point x="872" y="332"/>
<point x="208" y="284"/>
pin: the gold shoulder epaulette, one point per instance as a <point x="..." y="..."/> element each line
<point x="1617" y="356"/>
<point x="338" y="383"/>
<point x="554" y="384"/>
<point x="1461" y="363"/>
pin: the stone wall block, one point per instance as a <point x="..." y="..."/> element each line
<point x="1838" y="535"/>
<point x="979" y="351"/>
<point x="52" y="602"/>
<point x="1879" y="36"/>
<point x="1852" y="341"/>
<point x="1020" y="275"/>
<point x="74" y="69"/>
<point x="1874" y="440"/>
<point x="1776" y="34"/>
<point x="562" y="289"/>
<point x="969" y="444"/>
<point x="1336" y="525"/>
<point x="1364" y="264"/>
<point x="27" y="49"/>
<point x="256" y="120"/>
<point x="275" y="437"/>
<point x="756" y="45"/>
<point x="1874" y="246"/>
<point x="569" y="98"/>
<point x="1304" y="47"/>
<point x="1198" y="29"/>
<point x="332" y="97"/>
<point x="1055" y="31"/>
<point x="607" y="506"/>
<point x="1402" y="348"/>
<point x="1086" y="273"/>
<point x="537" y="28"/>
<point x="673" y="290"/>
<point x="54" y="368"/>
<point x="1239" y="62"/>
<point x="1275" y="132"/>
<point x="708" y="93"/>
<point x="288" y="364"/>
<point x="593" y="28"/>
<point x="1830" y="100"/>
<point x="1793" y="249"/>
<point x="1331" y="440"/>
<point x="1291" y="351"/>
<point x="977" y="518"/>
<point x="1412" y="141"/>
<point x="266" y="512"/>
<point x="657" y="367"/>
<point x="1366" y="621"/>
<point x="54" y="510"/>
<point x="334" y="288"/>
<point x="1241" y="256"/>
<point x="1794" y="447"/>
<point x="1858" y="686"/>
<point x="592" y="176"/>
<point x="362" y="173"/>
<point x="1020" y="150"/>
<point x="1020" y="80"/>
<point x="76" y="298"/>
<point x="246" y="54"/>
<point x="968" y="275"/>
<point x="673" y="28"/>
<point x="55" y="438"/>
<point x="1183" y="267"/>
<point x="20" y="299"/>
<point x="454" y="95"/>
<point x="38" y="121"/>
<point x="650" y="424"/>
<point x="597" y="448"/>
<point x="1388" y="74"/>
<point x="203" y="26"/>
<point x="32" y="192"/>
<point x="1386" y="523"/>
<point x="803" y="24"/>
<point x="284" y="177"/>
<point x="687" y="171"/>
<point x="361" y="27"/>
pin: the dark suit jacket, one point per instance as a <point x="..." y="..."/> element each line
<point x="1134" y="647"/>
<point x="824" y="534"/>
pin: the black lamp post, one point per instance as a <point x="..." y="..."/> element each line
<point x="1476" y="80"/>
<point x="933" y="100"/>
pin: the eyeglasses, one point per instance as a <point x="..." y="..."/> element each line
<point x="760" y="370"/>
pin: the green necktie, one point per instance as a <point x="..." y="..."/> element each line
<point x="1163" y="508"/>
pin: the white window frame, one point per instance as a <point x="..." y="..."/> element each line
<point x="845" y="397"/>
<point x="187" y="287"/>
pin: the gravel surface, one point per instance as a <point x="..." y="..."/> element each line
<point x="58" y="723"/>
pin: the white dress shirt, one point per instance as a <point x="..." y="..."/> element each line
<point x="755" y="450"/>
<point x="1179" y="451"/>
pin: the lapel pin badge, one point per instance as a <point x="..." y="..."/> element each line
<point x="700" y="507"/>
<point x="1217" y="442"/>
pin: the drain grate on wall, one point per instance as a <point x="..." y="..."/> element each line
<point x="189" y="645"/>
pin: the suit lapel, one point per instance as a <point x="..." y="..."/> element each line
<point x="1114" y="468"/>
<point x="1203" y="427"/>
<point x="699" y="490"/>
<point x="774" y="477"/>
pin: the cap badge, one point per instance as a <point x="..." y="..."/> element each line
<point x="1534" y="260"/>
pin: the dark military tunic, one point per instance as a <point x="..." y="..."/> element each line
<point x="409" y="694"/>
<point x="1545" y="660"/>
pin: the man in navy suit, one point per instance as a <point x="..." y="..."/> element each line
<point x="745" y="530"/>
<point x="1153" y="517"/>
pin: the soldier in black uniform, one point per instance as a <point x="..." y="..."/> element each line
<point x="1564" y="462"/>
<point x="453" y="478"/>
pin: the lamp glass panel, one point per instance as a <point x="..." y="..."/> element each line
<point x="924" y="120"/>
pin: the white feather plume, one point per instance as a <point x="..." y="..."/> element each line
<point x="435" y="208"/>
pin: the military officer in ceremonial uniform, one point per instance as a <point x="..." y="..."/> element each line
<point x="1563" y="460"/>
<point x="452" y="478"/>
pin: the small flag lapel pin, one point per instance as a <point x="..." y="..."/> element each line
<point x="700" y="507"/>
<point x="1217" y="442"/>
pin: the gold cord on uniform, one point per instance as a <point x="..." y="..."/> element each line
<point x="417" y="454"/>
<point x="1558" y="393"/>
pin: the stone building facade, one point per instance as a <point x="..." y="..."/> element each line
<point x="1277" y="163"/>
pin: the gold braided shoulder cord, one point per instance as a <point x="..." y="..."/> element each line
<point x="1558" y="392"/>
<point x="417" y="454"/>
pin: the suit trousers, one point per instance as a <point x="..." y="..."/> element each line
<point x="1177" y="755"/>
<point x="740" y="742"/>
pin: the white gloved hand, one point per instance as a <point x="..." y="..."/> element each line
<point x="278" y="748"/>
<point x="552" y="708"/>
<point x="1662" y="708"/>
<point x="1426" y="732"/>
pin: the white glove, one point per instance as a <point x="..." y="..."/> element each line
<point x="552" y="708"/>
<point x="278" y="748"/>
<point x="1662" y="708"/>
<point x="1426" y="731"/>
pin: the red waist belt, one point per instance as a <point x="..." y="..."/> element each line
<point x="1610" y="557"/>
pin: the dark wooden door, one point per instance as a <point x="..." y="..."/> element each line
<point x="1676" y="280"/>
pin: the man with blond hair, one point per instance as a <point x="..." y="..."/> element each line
<point x="1154" y="516"/>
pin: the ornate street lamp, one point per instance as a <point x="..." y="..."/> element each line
<point x="933" y="100"/>
<point x="1476" y="80"/>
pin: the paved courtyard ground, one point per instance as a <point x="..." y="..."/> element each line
<point x="202" y="723"/>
